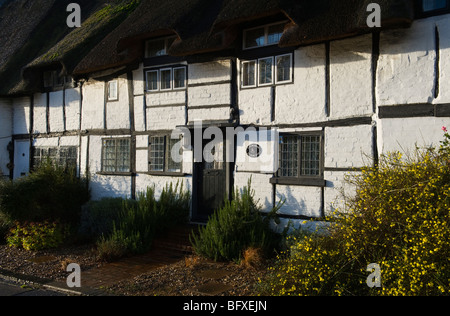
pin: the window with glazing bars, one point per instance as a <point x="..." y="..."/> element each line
<point x="161" y="156"/>
<point x="116" y="155"/>
<point x="300" y="155"/>
<point x="59" y="156"/>
<point x="157" y="153"/>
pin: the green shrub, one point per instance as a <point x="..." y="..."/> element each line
<point x="398" y="219"/>
<point x="97" y="217"/>
<point x="37" y="236"/>
<point x="138" y="222"/>
<point x="50" y="193"/>
<point x="236" y="226"/>
<point x="5" y="225"/>
<point x="110" y="249"/>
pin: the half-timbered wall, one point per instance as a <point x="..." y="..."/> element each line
<point x="365" y="96"/>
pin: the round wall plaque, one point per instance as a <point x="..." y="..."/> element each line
<point x="254" y="150"/>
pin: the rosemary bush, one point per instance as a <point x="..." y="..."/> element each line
<point x="236" y="226"/>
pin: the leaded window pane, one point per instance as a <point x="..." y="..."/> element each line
<point x="265" y="70"/>
<point x="179" y="78"/>
<point x="310" y="156"/>
<point x="152" y="80"/>
<point x="157" y="146"/>
<point x="116" y="155"/>
<point x="166" y="79"/>
<point x="248" y="73"/>
<point x="289" y="156"/>
<point x="283" y="64"/>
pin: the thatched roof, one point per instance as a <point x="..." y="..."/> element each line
<point x="153" y="18"/>
<point x="330" y="20"/>
<point x="51" y="43"/>
<point x="205" y="26"/>
<point x="34" y="35"/>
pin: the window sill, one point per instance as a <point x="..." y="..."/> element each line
<point x="165" y="173"/>
<point x="110" y="173"/>
<point x="304" y="181"/>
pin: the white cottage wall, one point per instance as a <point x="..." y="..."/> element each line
<point x="72" y="109"/>
<point x="350" y="77"/>
<point x="5" y="135"/>
<point x="21" y="115"/>
<point x="93" y="105"/>
<point x="56" y="111"/>
<point x="304" y="100"/>
<point x="118" y="112"/>
<point x="40" y="113"/>
<point x="406" y="67"/>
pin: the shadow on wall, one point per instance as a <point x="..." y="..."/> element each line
<point x="294" y="205"/>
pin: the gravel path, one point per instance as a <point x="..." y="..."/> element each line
<point x="189" y="276"/>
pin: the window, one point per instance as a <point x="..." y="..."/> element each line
<point x="433" y="5"/>
<point x="116" y="155"/>
<point x="52" y="79"/>
<point x="426" y="8"/>
<point x="179" y="78"/>
<point x="263" y="36"/>
<point x="59" y="156"/>
<point x="152" y="80"/>
<point x="161" y="153"/>
<point x="284" y="66"/>
<point x="249" y="73"/>
<point x="166" y="79"/>
<point x="113" y="94"/>
<point x="300" y="155"/>
<point x="266" y="71"/>
<point x="158" y="47"/>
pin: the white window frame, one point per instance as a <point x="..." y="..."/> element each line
<point x="275" y="80"/>
<point x="114" y="97"/>
<point x="157" y="80"/>
<point x="276" y="69"/>
<point x="184" y="78"/>
<point x="255" y="75"/>
<point x="160" y="79"/>
<point x="259" y="70"/>
<point x="266" y="35"/>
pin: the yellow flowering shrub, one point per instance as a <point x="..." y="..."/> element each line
<point x="398" y="219"/>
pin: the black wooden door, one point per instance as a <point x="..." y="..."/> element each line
<point x="212" y="185"/>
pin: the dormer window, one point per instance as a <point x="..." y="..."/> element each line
<point x="263" y="36"/>
<point x="426" y="8"/>
<point x="158" y="47"/>
<point x="432" y="5"/>
<point x="52" y="79"/>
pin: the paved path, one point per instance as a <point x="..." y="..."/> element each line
<point x="13" y="288"/>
